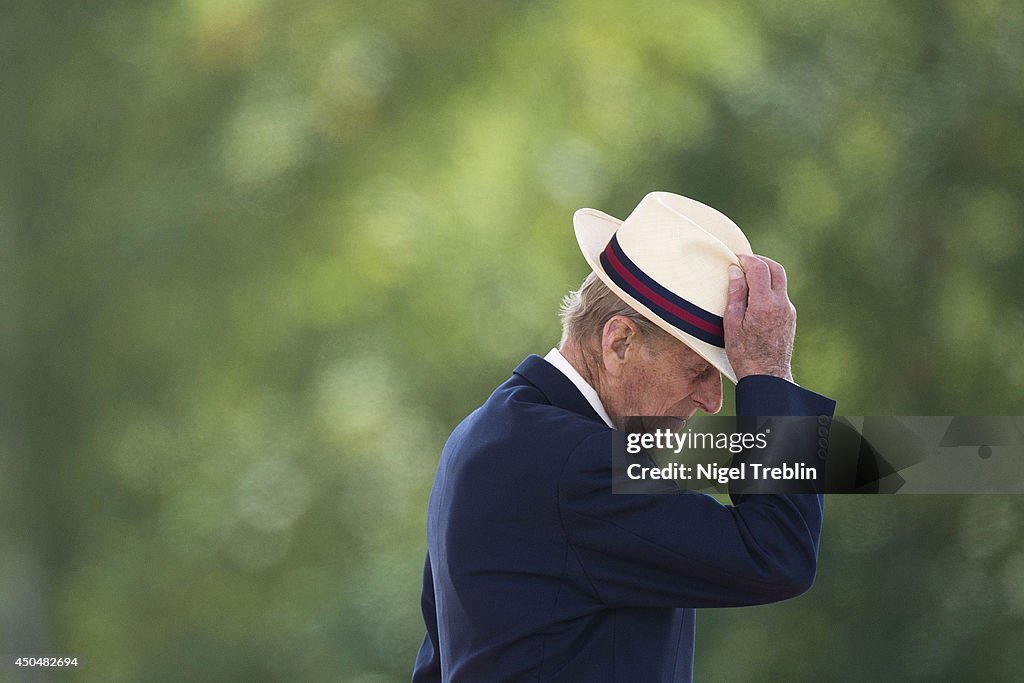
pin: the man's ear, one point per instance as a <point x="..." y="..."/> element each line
<point x="618" y="342"/>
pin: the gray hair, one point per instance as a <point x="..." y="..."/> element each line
<point x="585" y="311"/>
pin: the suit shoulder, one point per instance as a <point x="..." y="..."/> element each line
<point x="518" y="417"/>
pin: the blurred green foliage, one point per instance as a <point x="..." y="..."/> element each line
<point x="257" y="258"/>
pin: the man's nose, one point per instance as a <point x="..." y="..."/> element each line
<point x="709" y="394"/>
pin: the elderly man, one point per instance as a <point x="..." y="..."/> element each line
<point x="535" y="569"/>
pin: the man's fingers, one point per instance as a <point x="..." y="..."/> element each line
<point x="759" y="278"/>
<point x="736" y="304"/>
<point x="778" y="273"/>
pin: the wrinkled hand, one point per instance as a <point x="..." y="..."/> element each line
<point x="760" y="320"/>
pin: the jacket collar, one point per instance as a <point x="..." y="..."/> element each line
<point x="555" y="386"/>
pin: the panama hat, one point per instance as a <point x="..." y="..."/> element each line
<point x="670" y="261"/>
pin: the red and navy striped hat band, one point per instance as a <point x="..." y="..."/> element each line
<point x="669" y="306"/>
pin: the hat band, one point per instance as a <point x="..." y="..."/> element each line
<point x="669" y="306"/>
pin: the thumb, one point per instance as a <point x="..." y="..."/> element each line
<point x="736" y="305"/>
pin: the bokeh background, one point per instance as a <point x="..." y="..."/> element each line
<point x="257" y="258"/>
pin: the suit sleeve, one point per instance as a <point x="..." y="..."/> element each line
<point x="686" y="549"/>
<point x="428" y="660"/>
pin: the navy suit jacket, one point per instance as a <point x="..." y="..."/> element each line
<point x="535" y="571"/>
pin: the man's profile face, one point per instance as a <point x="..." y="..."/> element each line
<point x="661" y="376"/>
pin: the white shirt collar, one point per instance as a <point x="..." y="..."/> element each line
<point x="559" y="361"/>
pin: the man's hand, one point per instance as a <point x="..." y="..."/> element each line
<point x="760" y="320"/>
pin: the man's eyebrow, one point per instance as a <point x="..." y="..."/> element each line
<point x="699" y="370"/>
